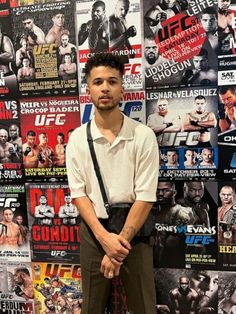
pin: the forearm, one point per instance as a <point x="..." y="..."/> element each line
<point x="88" y="214"/>
<point x="135" y="219"/>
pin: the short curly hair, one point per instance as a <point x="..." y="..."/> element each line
<point x="104" y="59"/>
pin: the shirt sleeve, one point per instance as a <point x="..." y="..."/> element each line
<point x="75" y="177"/>
<point x="147" y="167"/>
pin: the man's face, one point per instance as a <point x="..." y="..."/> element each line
<point x="68" y="199"/>
<point x="13" y="131"/>
<point x="105" y="87"/>
<point x="224" y="4"/>
<point x="3" y="136"/>
<point x="43" y="138"/>
<point x="28" y="24"/>
<point x="43" y="200"/>
<point x="226" y="195"/>
<point x="228" y="99"/>
<point x="209" y="22"/>
<point x="122" y="8"/>
<point x="31" y="140"/>
<point x="8" y="215"/>
<point x="61" y="302"/>
<point x="97" y="13"/>
<point x="60" y="139"/>
<point x="170" y="3"/>
<point x="165" y="193"/>
<point x="64" y="40"/>
<point x="190" y="156"/>
<point x="25" y="63"/>
<point x="207" y="155"/>
<point x="59" y="20"/>
<point x="67" y="59"/>
<point x="172" y="158"/>
<point x="200" y="105"/>
<point x="18" y="278"/>
<point x="184" y="283"/>
<point x="150" y="51"/>
<point x="162" y="107"/>
<point x="19" y="220"/>
<point x="194" y="191"/>
<point x="200" y="63"/>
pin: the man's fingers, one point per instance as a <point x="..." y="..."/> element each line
<point x="125" y="243"/>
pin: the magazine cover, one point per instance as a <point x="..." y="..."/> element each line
<point x="14" y="230"/>
<point x="10" y="141"/>
<point x="57" y="288"/>
<point x="54" y="223"/>
<point x="133" y="105"/>
<point x="187" y="291"/>
<point x="227" y="225"/>
<point x="44" y="150"/>
<point x="185" y="123"/>
<point x="180" y="43"/>
<point x="227" y="42"/>
<point x="16" y="287"/>
<point x="8" y="71"/>
<point x="186" y="224"/>
<point x="44" y="41"/>
<point x="113" y="26"/>
<point x="227" y="132"/>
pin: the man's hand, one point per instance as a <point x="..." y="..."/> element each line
<point x="131" y="32"/>
<point x="109" y="268"/>
<point x="115" y="246"/>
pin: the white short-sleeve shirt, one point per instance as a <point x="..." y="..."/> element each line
<point x="129" y="166"/>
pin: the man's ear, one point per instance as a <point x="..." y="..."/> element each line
<point x="122" y="93"/>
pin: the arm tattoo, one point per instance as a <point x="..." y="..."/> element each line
<point x="128" y="232"/>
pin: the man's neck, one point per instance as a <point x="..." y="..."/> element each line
<point x="108" y="120"/>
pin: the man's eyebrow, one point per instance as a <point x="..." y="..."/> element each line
<point x="109" y="78"/>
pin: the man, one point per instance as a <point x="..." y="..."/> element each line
<point x="15" y="138"/>
<point x="44" y="212"/>
<point x="66" y="47"/>
<point x="68" y="212"/>
<point x="227" y="113"/>
<point x="172" y="159"/>
<point x="153" y="19"/>
<point x="120" y="32"/>
<point x="114" y="136"/>
<point x="67" y="70"/>
<point x="7" y="58"/>
<point x="33" y="34"/>
<point x="184" y="299"/>
<point x="169" y="7"/>
<point x="227" y="197"/>
<point x="163" y="121"/>
<point x="50" y="306"/>
<point x="190" y="158"/>
<point x="8" y="153"/>
<point x="24" y="231"/>
<point x="10" y="235"/>
<point x="200" y="120"/>
<point x="151" y="53"/>
<point x="31" y="151"/>
<point x="202" y="74"/>
<point x="26" y="73"/>
<point x="24" y="284"/>
<point x="207" y="156"/>
<point x="208" y="20"/>
<point x="170" y="213"/>
<point x="47" y="156"/>
<point x="226" y="212"/>
<point x="193" y="198"/>
<point x="60" y="150"/>
<point x="96" y="29"/>
<point x="56" y="31"/>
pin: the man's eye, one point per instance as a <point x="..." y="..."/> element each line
<point x="97" y="82"/>
<point x="112" y="82"/>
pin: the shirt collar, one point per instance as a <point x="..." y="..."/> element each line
<point x="126" y="132"/>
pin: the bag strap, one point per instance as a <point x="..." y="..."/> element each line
<point x="97" y="169"/>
